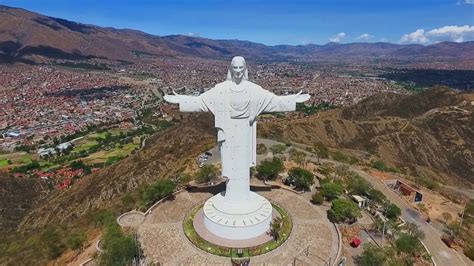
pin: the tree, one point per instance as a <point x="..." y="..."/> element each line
<point x="317" y="199"/>
<point x="300" y="178"/>
<point x="376" y="196"/>
<point x="206" y="174"/>
<point x="275" y="228"/>
<point x="51" y="239"/>
<point x="392" y="211"/>
<point x="269" y="169"/>
<point x="321" y="150"/>
<point x="372" y="256"/>
<point x="359" y="186"/>
<point x="76" y="240"/>
<point x="157" y="191"/>
<point x="343" y="210"/>
<point x="118" y="248"/>
<point x="342" y="170"/>
<point x="331" y="191"/>
<point x="297" y="156"/>
<point x="414" y="230"/>
<point x="408" y="244"/>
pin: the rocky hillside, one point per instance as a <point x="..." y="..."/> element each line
<point x="165" y="154"/>
<point x="17" y="197"/>
<point x="431" y="132"/>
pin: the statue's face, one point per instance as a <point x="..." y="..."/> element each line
<point x="238" y="67"/>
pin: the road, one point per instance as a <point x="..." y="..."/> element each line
<point x="442" y="255"/>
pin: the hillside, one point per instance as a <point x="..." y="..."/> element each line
<point x="432" y="132"/>
<point x="31" y="37"/>
<point x="164" y="155"/>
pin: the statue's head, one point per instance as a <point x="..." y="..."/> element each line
<point x="237" y="70"/>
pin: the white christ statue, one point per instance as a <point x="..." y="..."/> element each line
<point x="237" y="213"/>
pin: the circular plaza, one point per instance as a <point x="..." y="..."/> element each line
<point x="313" y="239"/>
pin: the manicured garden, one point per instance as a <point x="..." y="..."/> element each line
<point x="280" y="233"/>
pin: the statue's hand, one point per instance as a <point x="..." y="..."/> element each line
<point x="172" y="98"/>
<point x="300" y="98"/>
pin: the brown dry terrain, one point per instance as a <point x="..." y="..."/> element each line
<point x="17" y="197"/>
<point x="432" y="132"/>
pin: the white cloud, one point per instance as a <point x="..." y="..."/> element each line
<point x="415" y="37"/>
<point x="465" y="2"/>
<point x="452" y="33"/>
<point x="383" y="39"/>
<point x="338" y="37"/>
<point x="194" y="34"/>
<point x="446" y="33"/>
<point x="365" y="37"/>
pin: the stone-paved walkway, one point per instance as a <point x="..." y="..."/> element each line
<point x="312" y="242"/>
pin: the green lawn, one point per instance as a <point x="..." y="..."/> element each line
<point x="85" y="146"/>
<point x="3" y="163"/>
<point x="26" y="158"/>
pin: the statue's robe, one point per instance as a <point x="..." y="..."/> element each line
<point x="235" y="109"/>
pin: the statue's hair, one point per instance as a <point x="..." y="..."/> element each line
<point x="229" y="70"/>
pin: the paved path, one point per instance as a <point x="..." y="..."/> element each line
<point x="312" y="242"/>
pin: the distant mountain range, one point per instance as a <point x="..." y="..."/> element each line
<point x="26" y="35"/>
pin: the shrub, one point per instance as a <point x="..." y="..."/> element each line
<point x="469" y="252"/>
<point x="51" y="239"/>
<point x="269" y="169"/>
<point x="379" y="165"/>
<point x="317" y="199"/>
<point x="331" y="190"/>
<point x="343" y="158"/>
<point x="343" y="210"/>
<point x="261" y="148"/>
<point x="427" y="182"/>
<point x="372" y="256"/>
<point x="206" y="174"/>
<point x="300" y="178"/>
<point x="76" y="240"/>
<point x="393" y="211"/>
<point x="278" y="148"/>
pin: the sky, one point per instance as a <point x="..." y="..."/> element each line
<point x="276" y="22"/>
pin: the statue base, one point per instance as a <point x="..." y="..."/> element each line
<point x="237" y="221"/>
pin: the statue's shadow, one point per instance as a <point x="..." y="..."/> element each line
<point x="220" y="188"/>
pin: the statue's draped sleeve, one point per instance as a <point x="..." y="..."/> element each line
<point x="201" y="103"/>
<point x="269" y="102"/>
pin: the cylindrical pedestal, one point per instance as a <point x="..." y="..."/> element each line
<point x="238" y="220"/>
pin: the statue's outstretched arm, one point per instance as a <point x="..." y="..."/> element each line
<point x="172" y="98"/>
<point x="282" y="103"/>
<point x="188" y="103"/>
<point x="301" y="98"/>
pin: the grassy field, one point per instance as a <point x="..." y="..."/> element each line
<point x="84" y="144"/>
<point x="3" y="163"/>
<point x="118" y="151"/>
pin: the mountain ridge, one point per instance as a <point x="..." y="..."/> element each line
<point x="26" y="35"/>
